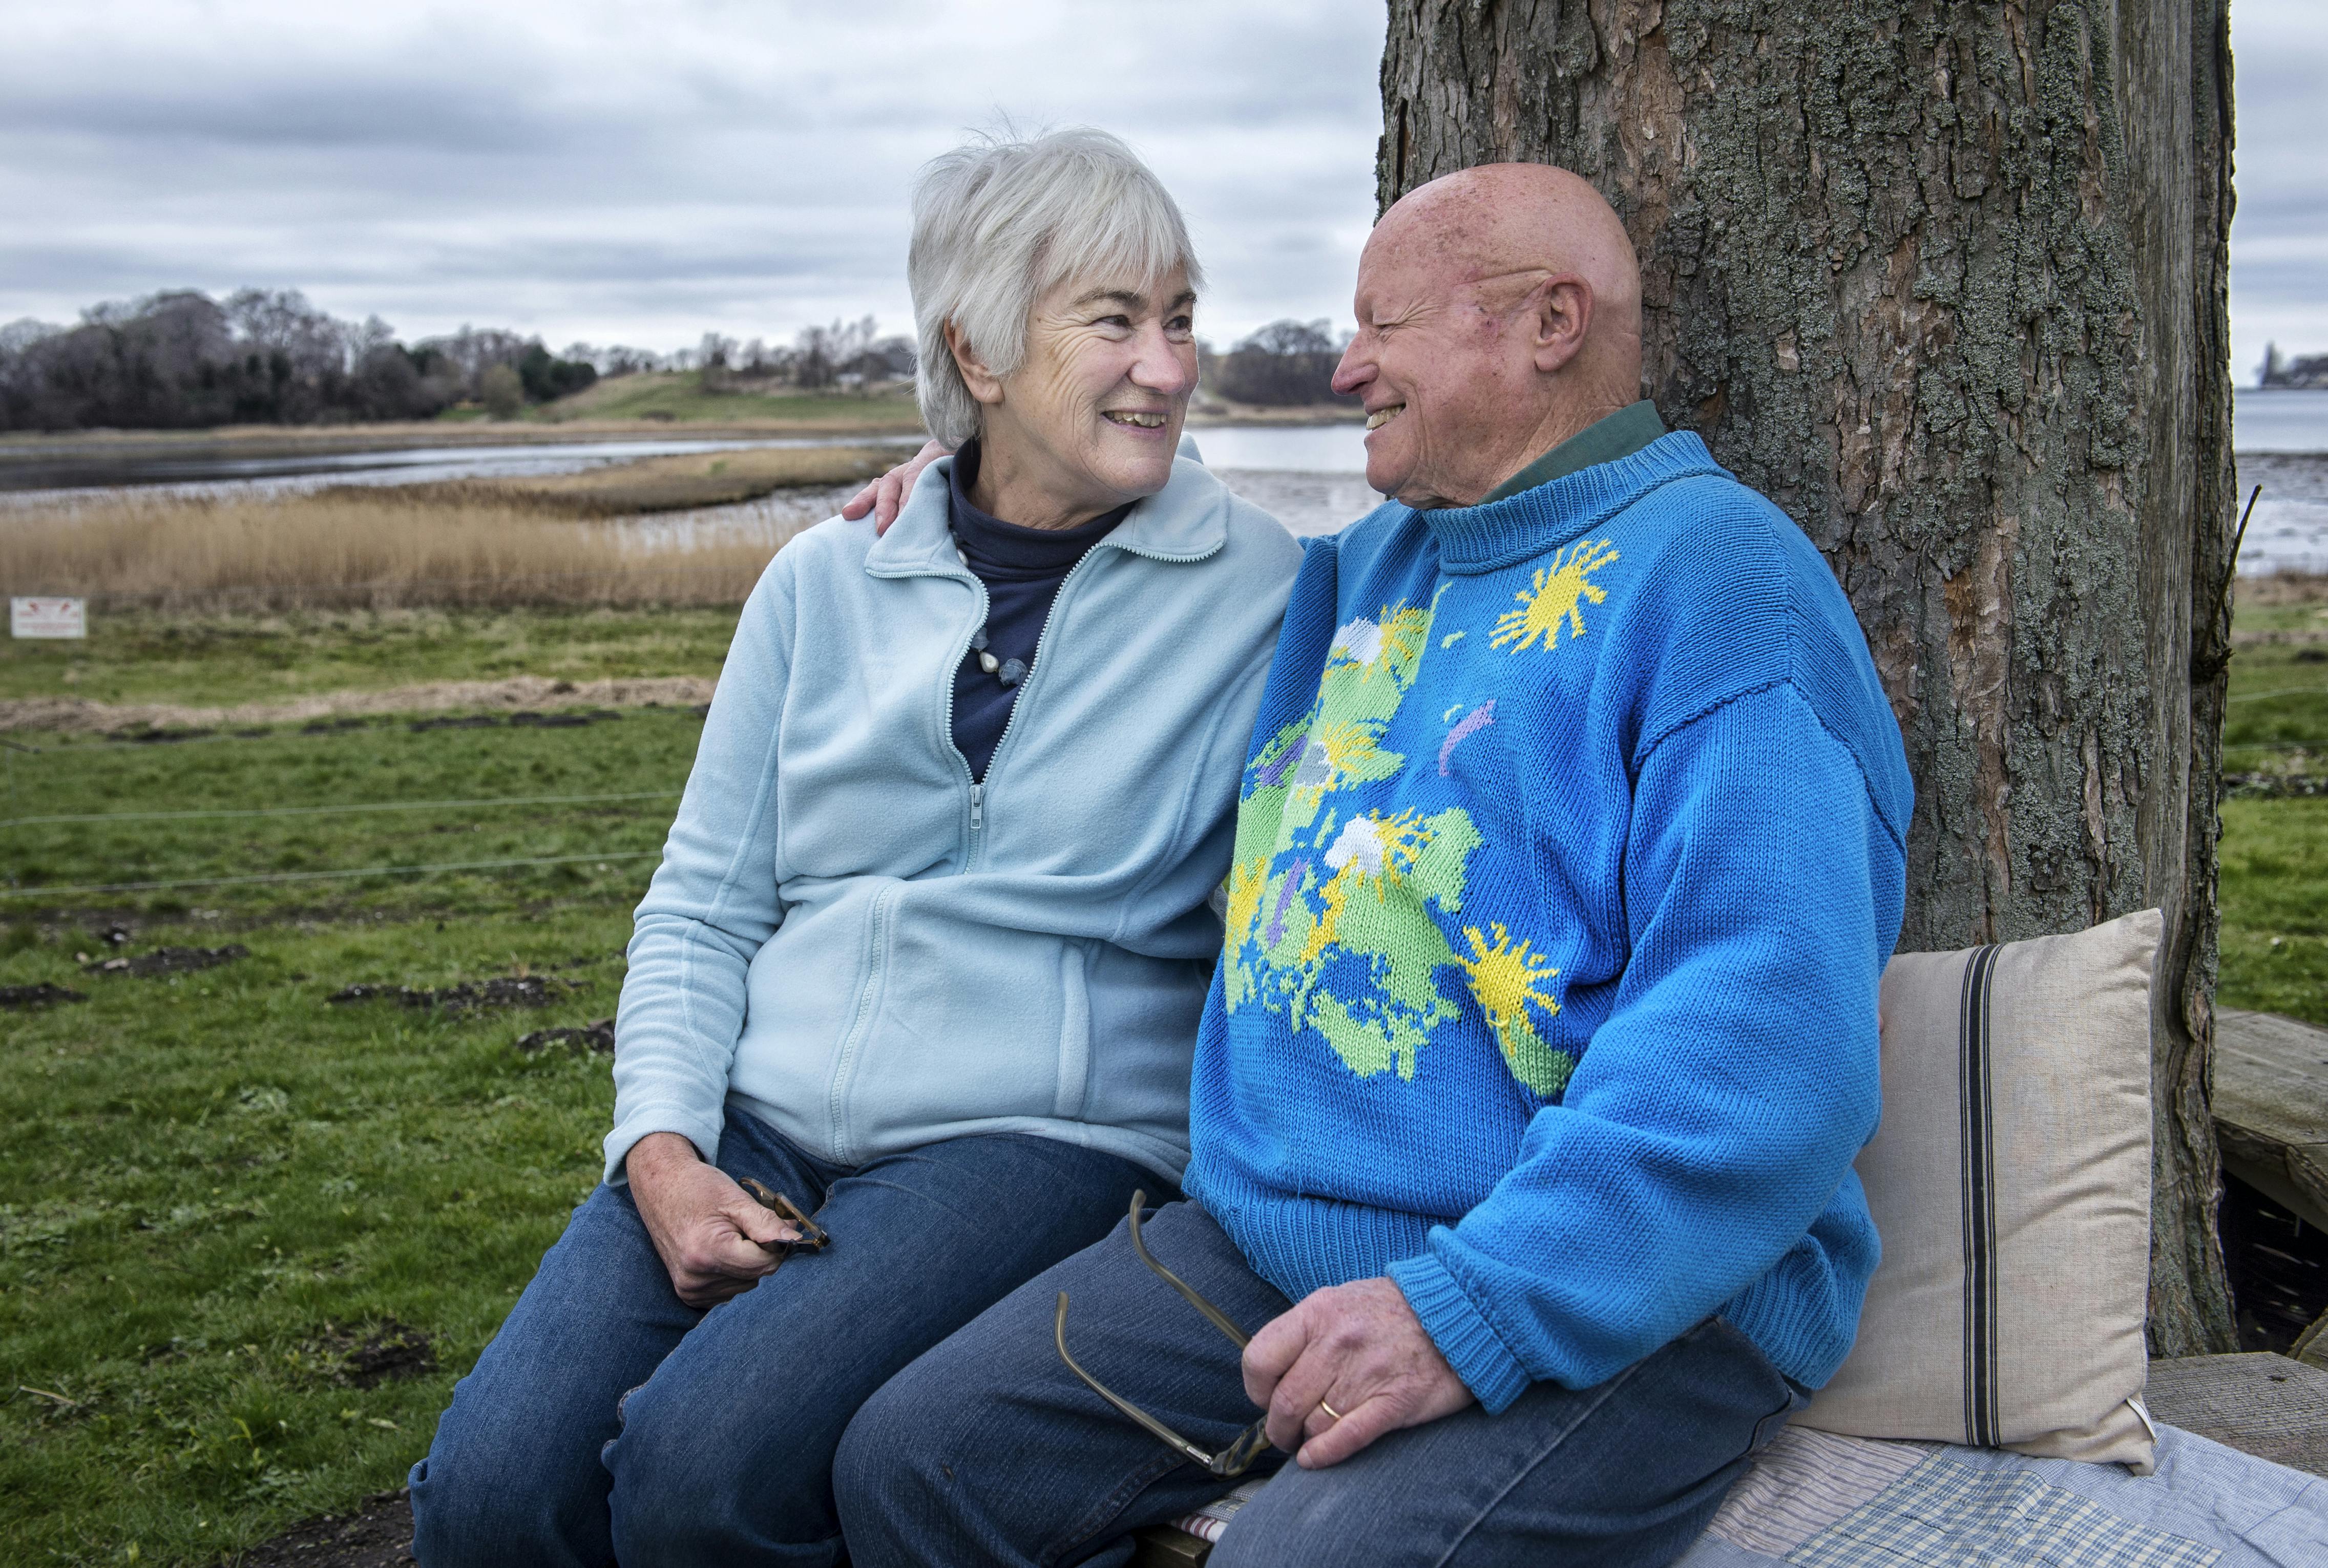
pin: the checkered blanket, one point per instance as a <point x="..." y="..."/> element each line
<point x="1816" y="1500"/>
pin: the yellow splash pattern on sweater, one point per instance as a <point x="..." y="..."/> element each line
<point x="1504" y="978"/>
<point x="1556" y="593"/>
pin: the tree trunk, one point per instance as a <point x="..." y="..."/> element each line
<point x="1946" y="280"/>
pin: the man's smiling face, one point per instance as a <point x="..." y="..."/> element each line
<point x="1437" y="363"/>
<point x="1480" y="344"/>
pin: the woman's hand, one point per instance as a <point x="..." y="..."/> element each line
<point x="887" y="495"/>
<point x="712" y="1237"/>
<point x="1360" y="1348"/>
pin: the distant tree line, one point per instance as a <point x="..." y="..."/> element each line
<point x="848" y="354"/>
<point x="180" y="360"/>
<point x="1287" y="364"/>
<point x="2309" y="372"/>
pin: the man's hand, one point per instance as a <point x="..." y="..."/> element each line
<point x="1360" y="1348"/>
<point x="711" y="1236"/>
<point x="887" y="495"/>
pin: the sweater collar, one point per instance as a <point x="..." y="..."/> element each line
<point x="1606" y="440"/>
<point x="1496" y="534"/>
<point x="993" y="545"/>
<point x="1186" y="520"/>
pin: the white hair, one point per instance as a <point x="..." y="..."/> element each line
<point x="1000" y="221"/>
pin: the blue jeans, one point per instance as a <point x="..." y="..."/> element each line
<point x="609" y="1420"/>
<point x="989" y="1451"/>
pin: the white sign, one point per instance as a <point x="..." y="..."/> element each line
<point x="48" y="617"/>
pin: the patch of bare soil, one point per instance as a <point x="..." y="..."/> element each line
<point x="598" y="1036"/>
<point x="377" y="1534"/>
<point x="167" y="961"/>
<point x="79" y="715"/>
<point x="22" y="998"/>
<point x="501" y="991"/>
<point x="387" y="1351"/>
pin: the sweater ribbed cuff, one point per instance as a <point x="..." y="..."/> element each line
<point x="1462" y="1335"/>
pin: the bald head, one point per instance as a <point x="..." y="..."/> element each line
<point x="1499" y="312"/>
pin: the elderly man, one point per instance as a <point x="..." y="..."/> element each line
<point x="1569" y="854"/>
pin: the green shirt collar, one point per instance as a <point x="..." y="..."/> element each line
<point x="1606" y="440"/>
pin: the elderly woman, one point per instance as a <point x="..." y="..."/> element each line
<point x="927" y="947"/>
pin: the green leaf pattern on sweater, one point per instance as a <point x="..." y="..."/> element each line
<point x="1310" y="885"/>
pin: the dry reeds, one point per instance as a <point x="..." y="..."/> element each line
<point x="380" y="550"/>
<point x="679" y="482"/>
<point x="2282" y="588"/>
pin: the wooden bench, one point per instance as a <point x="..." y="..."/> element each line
<point x="2267" y="1405"/>
<point x="2271" y="1108"/>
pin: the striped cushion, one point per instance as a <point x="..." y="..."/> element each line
<point x="2010" y="1183"/>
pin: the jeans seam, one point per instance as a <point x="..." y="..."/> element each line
<point x="1607" y="1390"/>
<point x="1113" y="1504"/>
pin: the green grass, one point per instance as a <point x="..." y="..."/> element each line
<point x="2275" y="898"/>
<point x="311" y="778"/>
<point x="207" y="1178"/>
<point x="681" y="397"/>
<point x="213" y="1176"/>
<point x="147" y="656"/>
<point x="2275" y="888"/>
<point x="211" y="1181"/>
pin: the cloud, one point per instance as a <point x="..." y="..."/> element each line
<point x="641" y="173"/>
<point x="2279" y="236"/>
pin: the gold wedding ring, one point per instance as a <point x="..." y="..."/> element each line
<point x="1329" y="1409"/>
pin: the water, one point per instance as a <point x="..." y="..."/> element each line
<point x="46" y="478"/>
<point x="2279" y="421"/>
<point x="1283" y="448"/>
<point x="1310" y="476"/>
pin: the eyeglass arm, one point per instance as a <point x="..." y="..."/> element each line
<point x="1170" y="1438"/>
<point x="1213" y="1314"/>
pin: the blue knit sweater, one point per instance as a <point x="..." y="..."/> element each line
<point x="1569" y="855"/>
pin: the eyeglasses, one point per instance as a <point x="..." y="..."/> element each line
<point x="812" y="1236"/>
<point x="1239" y="1456"/>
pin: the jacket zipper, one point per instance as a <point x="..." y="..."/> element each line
<point x="1025" y="691"/>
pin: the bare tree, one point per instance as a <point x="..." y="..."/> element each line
<point x="1946" y="281"/>
<point x="824" y="353"/>
<point x="1285" y="363"/>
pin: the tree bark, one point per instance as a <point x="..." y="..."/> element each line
<point x="1946" y="280"/>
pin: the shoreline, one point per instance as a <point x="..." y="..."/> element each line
<point x="891" y="420"/>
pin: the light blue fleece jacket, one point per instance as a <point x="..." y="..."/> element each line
<point x="855" y="943"/>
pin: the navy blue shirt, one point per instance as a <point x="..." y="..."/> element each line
<point x="1022" y="568"/>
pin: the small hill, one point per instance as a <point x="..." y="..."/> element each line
<point x="680" y="397"/>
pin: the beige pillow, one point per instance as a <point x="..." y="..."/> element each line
<point x="2009" y="1180"/>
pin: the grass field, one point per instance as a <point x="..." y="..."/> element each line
<point x="2275" y="846"/>
<point x="229" y="1203"/>
<point x="248" y="1236"/>
<point x="215" y="661"/>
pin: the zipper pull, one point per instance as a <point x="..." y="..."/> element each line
<point x="977" y="807"/>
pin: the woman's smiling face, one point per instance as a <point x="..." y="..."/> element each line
<point x="1091" y="417"/>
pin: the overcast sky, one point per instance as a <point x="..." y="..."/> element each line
<point x="640" y="173"/>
